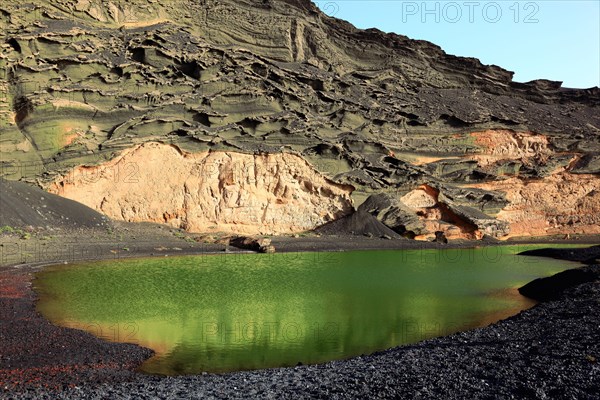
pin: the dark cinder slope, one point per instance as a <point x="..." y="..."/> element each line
<point x="358" y="223"/>
<point x="22" y="205"/>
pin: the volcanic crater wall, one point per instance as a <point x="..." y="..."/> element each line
<point x="86" y="83"/>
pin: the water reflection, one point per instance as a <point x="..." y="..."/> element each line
<point x="222" y="313"/>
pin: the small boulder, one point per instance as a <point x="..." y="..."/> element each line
<point x="440" y="237"/>
<point x="260" y="245"/>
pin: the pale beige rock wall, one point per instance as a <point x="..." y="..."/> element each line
<point x="209" y="191"/>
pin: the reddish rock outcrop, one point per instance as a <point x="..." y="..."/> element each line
<point x="562" y="203"/>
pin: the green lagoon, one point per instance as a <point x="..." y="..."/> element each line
<point x="246" y="311"/>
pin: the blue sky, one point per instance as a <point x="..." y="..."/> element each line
<point x="551" y="39"/>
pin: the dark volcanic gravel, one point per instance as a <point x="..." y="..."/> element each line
<point x="550" y="351"/>
<point x="590" y="255"/>
<point x="552" y="287"/>
<point x="36" y="354"/>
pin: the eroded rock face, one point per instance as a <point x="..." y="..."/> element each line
<point x="472" y="217"/>
<point x="392" y="212"/>
<point x="562" y="203"/>
<point x="86" y="82"/>
<point x="202" y="192"/>
<point x="500" y="144"/>
<point x="426" y="214"/>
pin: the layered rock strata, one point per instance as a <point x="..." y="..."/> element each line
<point x="83" y="82"/>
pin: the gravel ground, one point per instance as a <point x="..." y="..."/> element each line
<point x="550" y="351"/>
<point x="589" y="255"/>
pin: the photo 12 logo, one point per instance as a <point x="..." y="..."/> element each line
<point x="470" y="11"/>
<point x="330" y="8"/>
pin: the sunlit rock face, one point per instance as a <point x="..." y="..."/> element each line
<point x="216" y="191"/>
<point x="561" y="203"/>
<point x="424" y="212"/>
<point x="84" y="82"/>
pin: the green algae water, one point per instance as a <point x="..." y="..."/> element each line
<point x="230" y="312"/>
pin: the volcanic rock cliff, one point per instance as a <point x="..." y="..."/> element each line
<point x="315" y="115"/>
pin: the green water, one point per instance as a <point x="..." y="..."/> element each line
<point x="237" y="312"/>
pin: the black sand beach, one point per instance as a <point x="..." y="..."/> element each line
<point x="549" y="351"/>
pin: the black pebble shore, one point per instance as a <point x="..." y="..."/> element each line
<point x="551" y="351"/>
